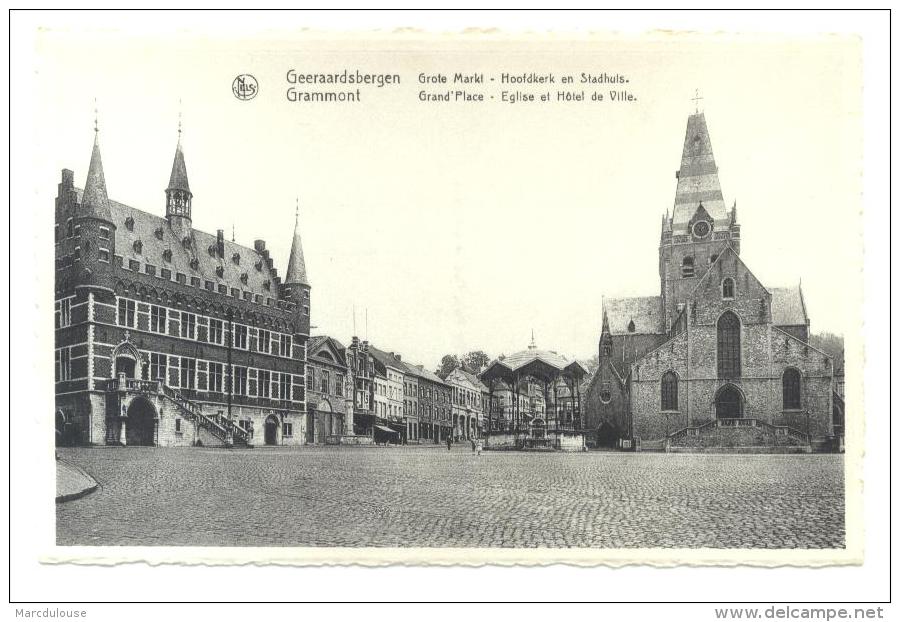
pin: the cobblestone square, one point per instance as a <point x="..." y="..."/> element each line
<point x="429" y="497"/>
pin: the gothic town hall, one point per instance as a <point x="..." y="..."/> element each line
<point x="168" y="335"/>
<point x="717" y="360"/>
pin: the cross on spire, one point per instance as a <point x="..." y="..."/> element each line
<point x="96" y="125"/>
<point x="696" y="99"/>
<point x="179" y="120"/>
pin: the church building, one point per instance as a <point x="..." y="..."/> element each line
<point x="167" y="335"/>
<point x="717" y="359"/>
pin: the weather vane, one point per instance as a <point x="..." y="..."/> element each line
<point x="696" y="99"/>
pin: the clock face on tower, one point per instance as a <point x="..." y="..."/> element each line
<point x="701" y="228"/>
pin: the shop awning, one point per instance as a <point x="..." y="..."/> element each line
<point x="386" y="429"/>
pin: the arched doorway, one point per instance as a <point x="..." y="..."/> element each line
<point x="538" y="428"/>
<point x="607" y="435"/>
<point x="140" y="423"/>
<point x="729" y="403"/>
<point x="271" y="430"/>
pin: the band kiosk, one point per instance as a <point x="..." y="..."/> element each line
<point x="540" y="376"/>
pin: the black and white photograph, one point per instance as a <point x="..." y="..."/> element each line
<point x="310" y="296"/>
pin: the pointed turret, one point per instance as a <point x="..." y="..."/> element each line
<point x="296" y="271"/>
<point x="734" y="213"/>
<point x="94" y="201"/>
<point x="605" y="328"/>
<point x="178" y="192"/>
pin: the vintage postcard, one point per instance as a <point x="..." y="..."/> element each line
<point x="472" y="298"/>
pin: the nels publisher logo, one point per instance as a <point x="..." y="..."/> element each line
<point x="245" y="87"/>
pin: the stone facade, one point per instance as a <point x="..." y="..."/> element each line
<point x="329" y="392"/>
<point x="167" y="335"/>
<point x="716" y="345"/>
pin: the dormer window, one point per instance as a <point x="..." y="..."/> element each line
<point x="728" y="288"/>
<point x="236" y="258"/>
<point x="267" y="285"/>
<point x="258" y="266"/>
<point x="158" y="233"/>
<point x="687" y="267"/>
<point x="167" y="254"/>
<point x="220" y="271"/>
<point x="129" y="223"/>
<point x="244" y="277"/>
<point x="195" y="263"/>
<point x="186" y="242"/>
<point x="211" y="250"/>
<point x="138" y="246"/>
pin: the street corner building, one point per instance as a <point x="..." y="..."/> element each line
<point x="166" y="335"/>
<point x="718" y="360"/>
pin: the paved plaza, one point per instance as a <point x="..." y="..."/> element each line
<point x="429" y="497"/>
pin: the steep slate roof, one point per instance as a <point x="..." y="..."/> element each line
<point x="421" y="372"/>
<point x="94" y="200"/>
<point x="296" y="270"/>
<point x="152" y="248"/>
<point x="644" y="311"/>
<point x="788" y="308"/>
<point x="386" y="358"/>
<point x="471" y="378"/>
<point x="178" y="180"/>
<point x="698" y="179"/>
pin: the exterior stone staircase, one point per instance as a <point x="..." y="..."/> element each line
<point x="738" y="435"/>
<point x="219" y="426"/>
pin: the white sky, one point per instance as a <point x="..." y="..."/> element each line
<point x="466" y="226"/>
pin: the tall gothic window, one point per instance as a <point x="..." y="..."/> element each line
<point x="728" y="288"/>
<point x="687" y="267"/>
<point x="669" y="391"/>
<point x="790" y="389"/>
<point x="729" y="346"/>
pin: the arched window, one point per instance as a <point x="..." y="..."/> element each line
<point x="631" y="326"/>
<point x="790" y="389"/>
<point x="669" y="391"/>
<point x="728" y="288"/>
<point x="729" y="345"/>
<point x="687" y="267"/>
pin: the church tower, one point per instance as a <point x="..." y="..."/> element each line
<point x="700" y="225"/>
<point x="178" y="194"/>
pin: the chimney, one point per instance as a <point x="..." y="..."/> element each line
<point x="397" y="356"/>
<point x="220" y="243"/>
<point x="365" y="345"/>
<point x="259" y="245"/>
<point x="354" y="342"/>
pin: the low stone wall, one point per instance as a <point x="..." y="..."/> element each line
<point x="349" y="439"/>
<point x="562" y="441"/>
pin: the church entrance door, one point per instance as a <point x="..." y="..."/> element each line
<point x="729" y="403"/>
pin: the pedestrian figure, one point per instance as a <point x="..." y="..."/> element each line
<point x="449" y="442"/>
<point x="478" y="448"/>
<point x="473" y="445"/>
